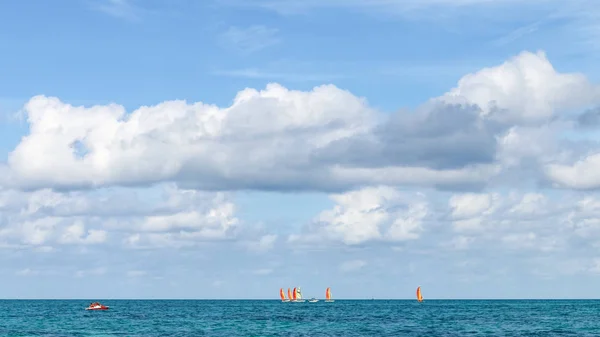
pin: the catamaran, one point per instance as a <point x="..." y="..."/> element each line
<point x="419" y="296"/>
<point x="328" y="295"/>
<point x="282" y="295"/>
<point x="298" y="295"/>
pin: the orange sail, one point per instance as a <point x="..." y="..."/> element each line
<point x="295" y="293"/>
<point x="328" y="295"/>
<point x="290" y="294"/>
<point x="419" y="296"/>
<point x="281" y="294"/>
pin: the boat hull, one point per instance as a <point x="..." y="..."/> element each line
<point x="93" y="309"/>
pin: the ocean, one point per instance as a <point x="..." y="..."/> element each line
<point x="273" y="318"/>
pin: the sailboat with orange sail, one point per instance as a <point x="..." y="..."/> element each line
<point x="328" y="295"/>
<point x="419" y="296"/>
<point x="282" y="295"/>
<point x="290" y="295"/>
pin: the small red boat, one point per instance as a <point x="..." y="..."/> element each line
<point x="96" y="306"/>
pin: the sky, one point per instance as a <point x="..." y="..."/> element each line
<point x="229" y="148"/>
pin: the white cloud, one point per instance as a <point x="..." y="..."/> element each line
<point x="263" y="244"/>
<point x="583" y="174"/>
<point x="279" y="75"/>
<point x="122" y="9"/>
<point x="46" y="219"/>
<point x="250" y="39"/>
<point x="91" y="272"/>
<point x="525" y="90"/>
<point x="374" y="213"/>
<point x="595" y="266"/>
<point x="76" y="233"/>
<point x="395" y="6"/>
<point x="459" y="175"/>
<point x="470" y="204"/>
<point x="194" y="217"/>
<point x="27" y="272"/>
<point x="351" y="266"/>
<point x="461" y="242"/>
<point x="175" y="140"/>
<point x="325" y="139"/>
<point x="513" y="220"/>
<point x="470" y="210"/>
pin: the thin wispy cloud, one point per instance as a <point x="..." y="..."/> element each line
<point x="427" y="71"/>
<point x="351" y="266"/>
<point x="399" y="6"/>
<point x="253" y="73"/>
<point x="27" y="272"/>
<point x="250" y="39"/>
<point x="584" y="24"/>
<point x="577" y="22"/>
<point x="122" y="9"/>
<point x="516" y="34"/>
<point x="10" y="109"/>
<point x="264" y="271"/>
<point x="136" y="273"/>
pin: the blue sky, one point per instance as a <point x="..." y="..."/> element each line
<point x="236" y="147"/>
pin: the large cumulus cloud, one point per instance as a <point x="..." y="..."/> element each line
<point x="326" y="139"/>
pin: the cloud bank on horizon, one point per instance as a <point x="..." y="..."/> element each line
<point x="489" y="185"/>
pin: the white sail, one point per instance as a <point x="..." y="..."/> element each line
<point x="299" y="295"/>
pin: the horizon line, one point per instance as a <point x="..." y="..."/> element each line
<point x="279" y="300"/>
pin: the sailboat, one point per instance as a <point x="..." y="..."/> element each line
<point x="298" y="295"/>
<point x="282" y="295"/>
<point x="328" y="295"/>
<point x="419" y="296"/>
<point x="290" y="295"/>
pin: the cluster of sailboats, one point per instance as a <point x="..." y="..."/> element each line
<point x="296" y="296"/>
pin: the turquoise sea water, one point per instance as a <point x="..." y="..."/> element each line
<point x="273" y="318"/>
